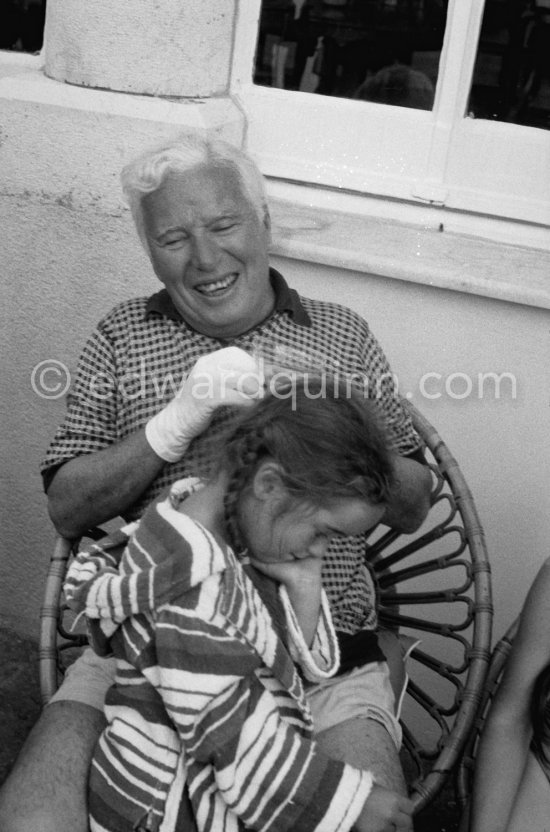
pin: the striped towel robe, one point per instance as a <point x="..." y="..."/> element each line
<point x="208" y="726"/>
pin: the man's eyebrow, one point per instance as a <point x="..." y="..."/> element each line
<point x="224" y="214"/>
<point x="227" y="213"/>
<point x="174" y="233"/>
<point x="168" y="231"/>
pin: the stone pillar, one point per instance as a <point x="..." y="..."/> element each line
<point x="178" y="48"/>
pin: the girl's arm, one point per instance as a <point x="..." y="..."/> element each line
<point x="504" y="745"/>
<point x="302" y="581"/>
<point x="263" y="767"/>
<point x="311" y="638"/>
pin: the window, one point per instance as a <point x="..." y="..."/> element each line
<point x="470" y="149"/>
<point x="373" y="50"/>
<point x="22" y="24"/>
<point x="511" y="79"/>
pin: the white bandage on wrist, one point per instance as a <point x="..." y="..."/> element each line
<point x="165" y="435"/>
<point x="227" y="377"/>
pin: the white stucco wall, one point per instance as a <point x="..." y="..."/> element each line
<point x="69" y="253"/>
<point x="166" y="48"/>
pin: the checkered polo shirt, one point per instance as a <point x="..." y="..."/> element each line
<point x="135" y="361"/>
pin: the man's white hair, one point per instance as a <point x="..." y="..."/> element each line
<point x="147" y="173"/>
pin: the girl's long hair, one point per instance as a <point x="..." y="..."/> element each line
<point x="326" y="437"/>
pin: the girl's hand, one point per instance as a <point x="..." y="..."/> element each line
<point x="298" y="573"/>
<point x="385" y="811"/>
<point x="301" y="578"/>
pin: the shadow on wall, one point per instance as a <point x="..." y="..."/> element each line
<point x="22" y="24"/>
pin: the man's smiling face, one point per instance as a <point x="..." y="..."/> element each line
<point x="209" y="247"/>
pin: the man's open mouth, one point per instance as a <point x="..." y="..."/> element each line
<point x="218" y="286"/>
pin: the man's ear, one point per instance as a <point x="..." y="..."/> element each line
<point x="267" y="483"/>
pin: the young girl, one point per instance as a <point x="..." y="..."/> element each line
<point x="512" y="778"/>
<point x="217" y="618"/>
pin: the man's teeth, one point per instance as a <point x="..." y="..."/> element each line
<point x="212" y="288"/>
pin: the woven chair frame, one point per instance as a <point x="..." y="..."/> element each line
<point x="396" y="560"/>
<point x="56" y="637"/>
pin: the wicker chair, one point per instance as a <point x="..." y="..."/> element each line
<point x="433" y="585"/>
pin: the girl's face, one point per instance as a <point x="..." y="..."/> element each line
<point x="289" y="529"/>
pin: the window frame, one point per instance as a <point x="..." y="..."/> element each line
<point x="441" y="157"/>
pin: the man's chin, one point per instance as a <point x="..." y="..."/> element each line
<point x="220" y="328"/>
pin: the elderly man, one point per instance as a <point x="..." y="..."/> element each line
<point x="200" y="210"/>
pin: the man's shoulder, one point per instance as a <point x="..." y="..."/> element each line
<point x="133" y="309"/>
<point x="131" y="319"/>
<point x="327" y="310"/>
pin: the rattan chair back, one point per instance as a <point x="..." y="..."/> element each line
<point x="433" y="585"/>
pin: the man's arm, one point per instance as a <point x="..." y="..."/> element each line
<point x="47" y="788"/>
<point x="93" y="488"/>
<point x="410" y="500"/>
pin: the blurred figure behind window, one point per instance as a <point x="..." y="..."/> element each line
<point x="398" y="85"/>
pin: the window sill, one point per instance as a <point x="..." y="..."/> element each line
<point x="424" y="253"/>
<point x="388" y="238"/>
<point x="22" y="79"/>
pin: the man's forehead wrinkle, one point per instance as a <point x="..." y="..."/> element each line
<point x="189" y="212"/>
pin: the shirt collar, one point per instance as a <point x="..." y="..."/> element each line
<point x="286" y="300"/>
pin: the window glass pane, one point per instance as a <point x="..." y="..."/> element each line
<point x="512" y="71"/>
<point x="22" y="24"/>
<point x="378" y="50"/>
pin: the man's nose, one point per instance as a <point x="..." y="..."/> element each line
<point x="205" y="252"/>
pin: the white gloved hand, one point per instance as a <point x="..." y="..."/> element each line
<point x="229" y="376"/>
